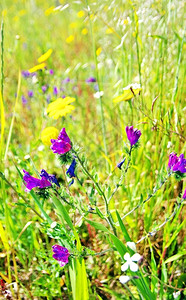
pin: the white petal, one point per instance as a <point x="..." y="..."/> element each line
<point x="133" y="267"/>
<point x="136" y="257"/>
<point x="132" y="246"/>
<point x="124" y="267"/>
<point x="127" y="256"/>
<point x="124" y="279"/>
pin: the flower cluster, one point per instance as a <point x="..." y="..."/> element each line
<point x="62" y="144"/>
<point x="177" y="164"/>
<point x="45" y="181"/>
<point x="61" y="254"/>
<point x="133" y="135"/>
<point x="130" y="263"/>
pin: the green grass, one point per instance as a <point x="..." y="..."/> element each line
<point x="146" y="45"/>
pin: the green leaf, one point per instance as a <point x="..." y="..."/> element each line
<point x="175" y="257"/>
<point x="122" y="249"/>
<point x="98" y="226"/>
<point x="123" y="229"/>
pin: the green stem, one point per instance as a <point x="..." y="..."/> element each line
<point x="99" y="86"/>
<point x="2" y="57"/>
<point x="100" y="191"/>
<point x="122" y="177"/>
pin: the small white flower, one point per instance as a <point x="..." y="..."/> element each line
<point x="176" y="294"/>
<point x="124" y="279"/>
<point x="130" y="262"/>
<point x="132" y="246"/>
<point x="97" y="95"/>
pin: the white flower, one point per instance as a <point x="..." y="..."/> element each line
<point x="132" y="246"/>
<point x="130" y="262"/>
<point x="124" y="279"/>
<point x="176" y="294"/>
<point x="97" y="95"/>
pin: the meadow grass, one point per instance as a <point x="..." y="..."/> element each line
<point x="118" y="43"/>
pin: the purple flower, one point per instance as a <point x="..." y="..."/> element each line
<point x="51" y="72"/>
<point x="62" y="144"/>
<point x="184" y="194"/>
<point x="61" y="254"/>
<point x="66" y="80"/>
<point x="177" y="163"/>
<point x="55" y="90"/>
<point x="90" y="79"/>
<point x="48" y="98"/>
<point x="30" y="94"/>
<point x="49" y="177"/>
<point x="44" y="88"/>
<point x="133" y="135"/>
<point x="32" y="182"/>
<point x="25" y="74"/>
<point x="121" y="163"/>
<point x="71" y="169"/>
<point x="24" y="100"/>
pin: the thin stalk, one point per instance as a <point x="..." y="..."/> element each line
<point x="2" y="58"/>
<point x="98" y="82"/>
<point x="122" y="176"/>
<point x="152" y="233"/>
<point x="148" y="198"/>
<point x="100" y="191"/>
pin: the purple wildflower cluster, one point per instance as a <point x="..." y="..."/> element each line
<point x="177" y="164"/>
<point x="133" y="135"/>
<point x="62" y="144"/>
<point x="45" y="181"/>
<point x="61" y="254"/>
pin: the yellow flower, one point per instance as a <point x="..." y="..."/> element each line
<point x="125" y="22"/>
<point x="45" y="56"/>
<point x="37" y="67"/>
<point x="60" y="107"/>
<point x="49" y="11"/>
<point x="80" y="14"/>
<point x="128" y="93"/>
<point x="49" y="133"/>
<point x="84" y="31"/>
<point x="70" y="39"/>
<point x="109" y="30"/>
<point x="73" y="25"/>
<point x="98" y="51"/>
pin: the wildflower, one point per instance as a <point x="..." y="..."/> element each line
<point x="133" y="135"/>
<point x="177" y="163"/>
<point x="51" y="72"/>
<point x="60" y="107"/>
<point x="70" y="39"/>
<point x="121" y="163"/>
<point x="37" y="67"/>
<point x="44" y="88"/>
<point x="24" y="100"/>
<point x="25" y="74"/>
<point x="98" y="94"/>
<point x="32" y="182"/>
<point x="71" y="170"/>
<point x="128" y="93"/>
<point x="55" y="90"/>
<point x="124" y="279"/>
<point x="184" y="195"/>
<point x="130" y="262"/>
<point x="61" y="254"/>
<point x="30" y="94"/>
<point x="45" y="56"/>
<point x="90" y="79"/>
<point x="98" y="51"/>
<point x="62" y="144"/>
<point x="176" y="294"/>
<point x="80" y="14"/>
<point x="49" y="177"/>
<point x="49" y="133"/>
<point x="84" y="31"/>
<point x="132" y="246"/>
<point x="66" y="80"/>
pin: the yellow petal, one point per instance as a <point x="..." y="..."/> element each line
<point x="49" y="133"/>
<point x="37" y="67"/>
<point x="45" y="56"/>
